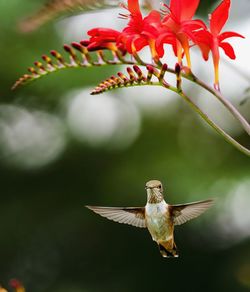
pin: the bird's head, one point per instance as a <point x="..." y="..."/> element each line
<point x="154" y="191"/>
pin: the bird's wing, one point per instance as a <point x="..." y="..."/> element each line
<point x="133" y="215"/>
<point x="186" y="212"/>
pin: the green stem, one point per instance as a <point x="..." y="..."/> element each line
<point x="231" y="108"/>
<point x="223" y="100"/>
<point x="217" y="128"/>
<point x="226" y="103"/>
<point x="237" y="115"/>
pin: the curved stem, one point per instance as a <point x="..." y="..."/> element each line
<point x="233" y="110"/>
<point x="219" y="96"/>
<point x="225" y="102"/>
<point x="210" y="122"/>
<point x="190" y="76"/>
<point x="203" y="115"/>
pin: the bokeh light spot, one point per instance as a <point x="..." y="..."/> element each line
<point x="29" y="139"/>
<point x="102" y="120"/>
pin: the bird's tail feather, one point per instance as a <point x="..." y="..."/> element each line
<point x="168" y="250"/>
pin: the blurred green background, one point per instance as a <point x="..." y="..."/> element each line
<point x="61" y="149"/>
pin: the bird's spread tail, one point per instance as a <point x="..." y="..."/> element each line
<point x="168" y="249"/>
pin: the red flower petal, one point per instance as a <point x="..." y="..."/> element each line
<point x="154" y="17"/>
<point x="128" y="43"/>
<point x="190" y="27"/>
<point x="166" y="38"/>
<point x="134" y="42"/>
<point x="204" y="40"/>
<point x="205" y="51"/>
<point x="152" y="23"/>
<point x="139" y="43"/>
<point x="229" y="34"/>
<point x="202" y="37"/>
<point x="219" y="17"/>
<point x="193" y="24"/>
<point x="184" y="9"/>
<point x="228" y="49"/>
<point x="100" y="31"/>
<point x="133" y="7"/>
<point x="175" y="9"/>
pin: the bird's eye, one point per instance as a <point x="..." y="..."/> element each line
<point x="159" y="186"/>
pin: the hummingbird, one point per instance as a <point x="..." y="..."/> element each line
<point x="157" y="216"/>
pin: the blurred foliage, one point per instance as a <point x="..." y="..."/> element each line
<point x="52" y="243"/>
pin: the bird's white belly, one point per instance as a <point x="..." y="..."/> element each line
<point x="157" y="220"/>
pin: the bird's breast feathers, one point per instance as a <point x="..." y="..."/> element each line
<point x="157" y="209"/>
<point x="158" y="221"/>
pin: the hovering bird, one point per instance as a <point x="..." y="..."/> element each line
<point x="157" y="216"/>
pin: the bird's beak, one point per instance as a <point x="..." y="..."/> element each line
<point x="150" y="191"/>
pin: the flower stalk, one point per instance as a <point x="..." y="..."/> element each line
<point x="176" y="27"/>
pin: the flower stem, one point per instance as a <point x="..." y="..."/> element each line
<point x="190" y="76"/>
<point x="231" y="108"/>
<point x="237" y="115"/>
<point x="227" y="104"/>
<point x="216" y="127"/>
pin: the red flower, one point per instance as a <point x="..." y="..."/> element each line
<point x="211" y="41"/>
<point x="103" y="38"/>
<point x="140" y="31"/>
<point x="177" y="28"/>
<point x="179" y="25"/>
